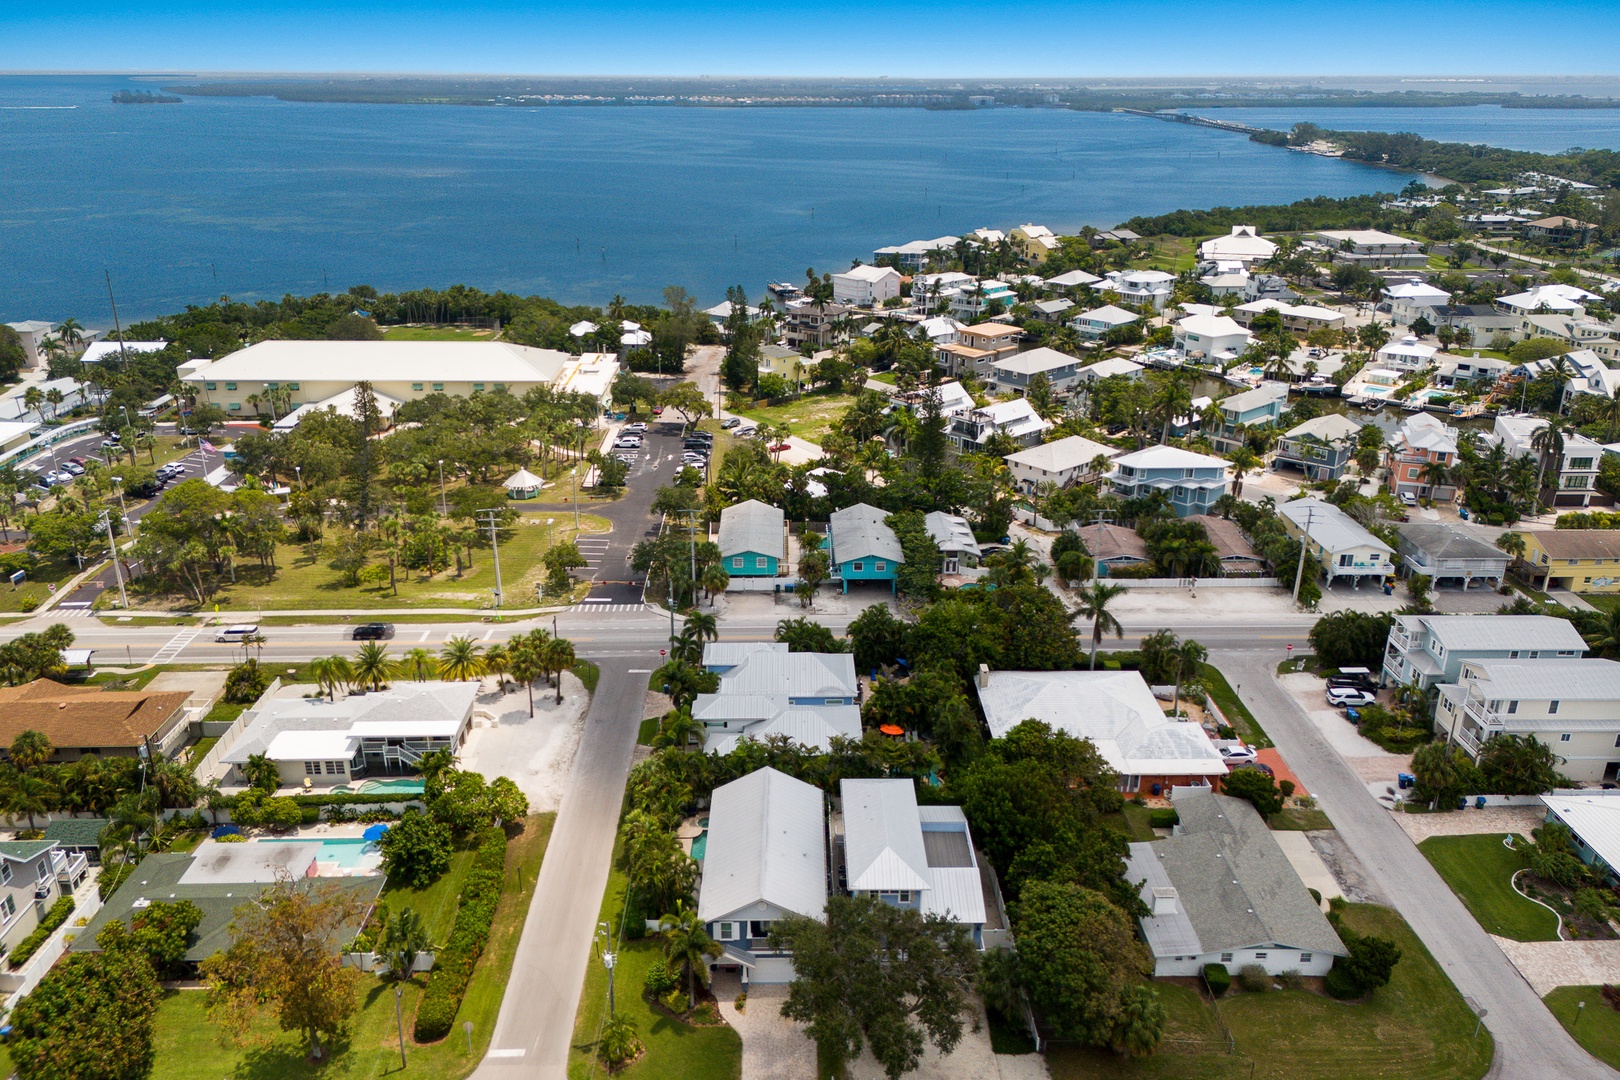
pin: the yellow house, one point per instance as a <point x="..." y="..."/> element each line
<point x="1580" y="560"/>
<point x="788" y="363"/>
<point x="1034" y="242"/>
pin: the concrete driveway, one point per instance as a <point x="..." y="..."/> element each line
<point x="1530" y="1043"/>
<point x="774" y="1047"/>
<point x="971" y="1058"/>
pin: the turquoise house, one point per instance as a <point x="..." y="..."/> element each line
<point x="751" y="538"/>
<point x="862" y="547"/>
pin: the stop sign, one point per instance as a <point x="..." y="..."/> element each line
<point x="1290" y="648"/>
<point x="661" y="651"/>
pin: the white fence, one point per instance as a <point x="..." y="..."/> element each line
<point x="1203" y="583"/>
<point x="206" y="768"/>
<point x="20" y="981"/>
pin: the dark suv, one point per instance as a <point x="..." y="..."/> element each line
<point x="1353" y="678"/>
<point x="373" y="631"/>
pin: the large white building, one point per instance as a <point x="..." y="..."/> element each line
<point x="1571" y="705"/>
<point x="312" y="372"/>
<point x="1243" y="245"/>
<point x="866" y="286"/>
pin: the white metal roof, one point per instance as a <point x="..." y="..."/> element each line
<point x="1565" y="680"/>
<point x="797" y="675"/>
<point x="883" y="845"/>
<point x="1497" y="632"/>
<point x="950" y="532"/>
<point x="1211" y="326"/>
<point x="1061" y="455"/>
<point x="1036" y="360"/>
<point x="751" y="526"/>
<point x="1169" y="457"/>
<point x="861" y="531"/>
<point x="767" y="844"/>
<point x="1330" y="527"/>
<point x="98" y="351"/>
<point x="385" y="361"/>
<point x="1109" y="315"/>
<point x="729" y="653"/>
<point x="1592" y="816"/>
<point x="1329" y="428"/>
<point x="407" y="709"/>
<point x="810" y="726"/>
<point x="864" y="272"/>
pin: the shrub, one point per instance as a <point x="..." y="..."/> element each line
<point x="635" y="915"/>
<point x="1253" y="978"/>
<point x="112" y="877"/>
<point x="1315" y="896"/>
<point x="453" y="965"/>
<point x="1163" y="818"/>
<point x="706" y="1013"/>
<point x="1339" y="985"/>
<point x="1217" y="978"/>
<point x="1291" y="980"/>
<point x="30" y="603"/>
<point x="674" y="1000"/>
<point x="29" y="945"/>
<point x="660" y="980"/>
<point x="246" y="682"/>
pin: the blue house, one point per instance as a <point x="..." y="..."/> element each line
<point x="1194" y="482"/>
<point x="862" y="546"/>
<point x="1261" y="407"/>
<point x="751" y="536"/>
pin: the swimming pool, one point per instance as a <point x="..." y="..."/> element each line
<point x="700" y="845"/>
<point x="346" y="852"/>
<point x="401" y="786"/>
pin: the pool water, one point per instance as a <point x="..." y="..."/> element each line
<point x="401" y="786"/>
<point x="345" y="851"/>
<point x="700" y="845"/>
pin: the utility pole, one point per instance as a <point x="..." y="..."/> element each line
<point x="442" y="511"/>
<point x="1304" y="538"/>
<point x="112" y="549"/>
<point x="495" y="550"/>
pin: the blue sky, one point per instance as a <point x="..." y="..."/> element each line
<point x="965" y="38"/>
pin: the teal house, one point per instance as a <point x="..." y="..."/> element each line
<point x="751" y="537"/>
<point x="862" y="546"/>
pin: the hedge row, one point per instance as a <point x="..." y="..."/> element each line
<point x="453" y="965"/>
<point x="29" y="945"/>
<point x="354" y="800"/>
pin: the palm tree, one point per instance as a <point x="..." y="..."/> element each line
<point x="701" y="626"/>
<point x="403" y="938"/>
<point x="687" y="943"/>
<point x="1549" y="442"/>
<point x="619" y="1041"/>
<point x="33" y="398"/>
<point x="29" y="794"/>
<point x="1243" y="460"/>
<point x="497" y="662"/>
<point x="29" y="749"/>
<point x="419" y="661"/>
<point x="1512" y="543"/>
<point x="526" y="666"/>
<point x="558" y="657"/>
<point x="1094" y="601"/>
<point x="678" y="729"/>
<point x="461" y="659"/>
<point x="1435" y="475"/>
<point x="713" y="579"/>
<point x="1189" y="655"/>
<point x="372" y="668"/>
<point x="331" y="672"/>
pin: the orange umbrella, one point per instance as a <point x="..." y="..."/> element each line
<point x="892" y="729"/>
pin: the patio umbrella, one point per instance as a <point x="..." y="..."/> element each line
<point x="375" y="832"/>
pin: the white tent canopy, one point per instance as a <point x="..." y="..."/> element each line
<point x="523" y="482"/>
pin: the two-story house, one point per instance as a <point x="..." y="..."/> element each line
<point x="1428" y="650"/>
<point x="1034" y="242"/>
<point x="1579" y="560"/>
<point x="1420" y="442"/>
<point x="1194" y="482"/>
<point x="958" y="548"/>
<point x="1012" y="375"/>
<point x="910" y="856"/>
<point x="1406" y="355"/>
<point x="1015" y="418"/>
<point x="809" y="697"/>
<point x="1569" y="481"/>
<point x="1337" y="541"/>
<point x="1141" y="288"/>
<point x="1072" y="281"/>
<point x="1412" y="300"/>
<point x="930" y="291"/>
<point x="1210" y="337"/>
<point x="975" y="300"/>
<point x="34" y="874"/>
<point x="1093" y="324"/>
<point x="765" y="858"/>
<point x="1241" y="413"/>
<point x="1064" y="462"/>
<point x="1371" y="247"/>
<point x="915" y="254"/>
<point x="866" y="286"/>
<point x="1451" y="554"/>
<point x="1323" y="447"/>
<point x="862" y="546"/>
<point x="1573" y="706"/>
<point x="816" y="325"/>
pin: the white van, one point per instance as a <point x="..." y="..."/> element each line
<point x="234" y="634"/>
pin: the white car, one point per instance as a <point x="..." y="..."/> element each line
<point x="1341" y="696"/>
<point x="1238" y="755"/>
<point x="635" y="429"/>
<point x="627" y="444"/>
<point x="233" y="634"/>
<point x="1408" y="499"/>
<point x="72" y="469"/>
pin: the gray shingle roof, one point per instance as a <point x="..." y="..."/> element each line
<point x="1447" y="542"/>
<point x="751" y="526"/>
<point x="860" y="532"/>
<point x="1237" y="888"/>
<point x="77" y="832"/>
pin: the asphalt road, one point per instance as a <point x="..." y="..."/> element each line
<point x="657" y="463"/>
<point x="1530" y="1043"/>
<point x="536" y="1022"/>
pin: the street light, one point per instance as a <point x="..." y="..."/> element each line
<point x="442" y="511"/>
<point x="118" y="482"/>
<point x="112" y="549"/>
<point x="604" y="938"/>
<point x="299" y="469"/>
<point x="495" y="548"/>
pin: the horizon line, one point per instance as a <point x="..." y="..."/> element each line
<point x="314" y="74"/>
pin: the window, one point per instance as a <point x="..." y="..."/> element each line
<point x="5" y="872"/>
<point x="736" y="563"/>
<point x="879" y="566"/>
<point x="728" y="931"/>
<point x="1346" y="560"/>
<point x="209" y="386"/>
<point x="478" y="387"/>
<point x="292" y="386"/>
<point x="416" y="386"/>
<point x="1617" y="740"/>
<point x="499" y="387"/>
<point x="1304" y="957"/>
<point x="1226" y="958"/>
<point x="905" y="896"/>
<point x="334" y="768"/>
<point x="234" y="406"/>
<point x="1580" y="463"/>
<point x="834" y="701"/>
<point x="1552" y="708"/>
<point x="230" y="386"/>
<point x="1513" y="707"/>
<point x="8" y="907"/>
<point x="271" y="385"/>
<point x="761" y="560"/>
<point x="1513" y="654"/>
<point x="438" y="386"/>
<point x="858" y="567"/>
<point x="1259" y="956"/>
<point x="312" y="768"/>
<point x="1564" y="737"/>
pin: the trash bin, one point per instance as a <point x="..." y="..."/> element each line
<point x="1479" y="802"/>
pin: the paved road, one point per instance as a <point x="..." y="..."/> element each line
<point x="536" y="1022"/>
<point x="1530" y="1043"/>
<point x="657" y="462"/>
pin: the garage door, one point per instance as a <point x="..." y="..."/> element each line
<point x="772" y="969"/>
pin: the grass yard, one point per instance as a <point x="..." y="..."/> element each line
<point x="301" y="582"/>
<point x="674" y="1050"/>
<point x="1417" y="1028"/>
<point x="1296" y="819"/>
<point x="809" y="417"/>
<point x="188" y="1048"/>
<point x="1229" y="703"/>
<point x="1596" y="1027"/>
<point x="437" y="333"/>
<point x="1480" y="870"/>
<point x="1603" y="601"/>
<point x="888" y="378"/>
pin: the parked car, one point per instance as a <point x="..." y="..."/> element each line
<point x="1236" y="755"/>
<point x="1408" y="498"/>
<point x="634" y="429"/>
<point x="373" y="631"/>
<point x="778" y="448"/>
<point x="77" y="460"/>
<point x="60" y="477"/>
<point x="730" y="422"/>
<point x="746" y="432"/>
<point x="233" y="634"/>
<point x="1356" y="678"/>
<point x="658" y="410"/>
<point x="1341" y="696"/>
<point x="627" y="444"/>
<point x="72" y="469"/>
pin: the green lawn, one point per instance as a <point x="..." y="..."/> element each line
<point x="1416" y="1028"/>
<point x="188" y="1048"/>
<point x="809" y="417"/>
<point x="1293" y="819"/>
<point x="436" y="904"/>
<point x="1596" y="1027"/>
<point x="1603" y="601"/>
<point x="1236" y="712"/>
<point x="886" y="377"/>
<point x="675" y="1051"/>
<point x="302" y="582"/>
<point x="436" y="333"/>
<point x="1480" y="870"/>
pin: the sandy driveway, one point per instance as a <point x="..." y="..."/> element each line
<point x="537" y="753"/>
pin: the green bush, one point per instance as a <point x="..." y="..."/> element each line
<point x="29" y="945"/>
<point x="635" y="915"/>
<point x="1217" y="978"/>
<point x="453" y="965"/>
<point x="674" y="1000"/>
<point x="1164" y="817"/>
<point x="1253" y="978"/>
<point x="1139" y="572"/>
<point x="112" y="877"/>
<point x="706" y="1013"/>
<point x="660" y="980"/>
<point x="1341" y="986"/>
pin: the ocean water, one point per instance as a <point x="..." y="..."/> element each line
<point x="254" y="198"/>
<point x="1546" y="131"/>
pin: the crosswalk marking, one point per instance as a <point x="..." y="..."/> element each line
<point x="175" y="645"/>
<point x="581" y="609"/>
<point x="79" y="609"/>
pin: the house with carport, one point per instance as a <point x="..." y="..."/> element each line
<point x="1339" y="544"/>
<point x="1323" y="447"/>
<point x="1192" y="482"/>
<point x="751" y="538"/>
<point x="862" y="546"/>
<point x="1450" y="554"/>
<point x="1065" y="462"/>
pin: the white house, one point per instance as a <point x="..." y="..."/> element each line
<point x="1411" y="299"/>
<point x="1065" y="462"/>
<point x="1114" y="365"/>
<point x="765" y="859"/>
<point x="915" y="255"/>
<point x="1150" y="751"/>
<point x="1071" y="281"/>
<point x="1575" y="480"/>
<point x="98" y="351"/>
<point x="1220" y="890"/>
<point x="866" y="286"/>
<point x="809" y="697"/>
<point x="1371" y="247"/>
<point x="1093" y="324"/>
<point x="1407" y="354"/>
<point x="1016" y="419"/>
<point x="1337" y="541"/>
<point x="33" y="333"/>
<point x="1143" y="288"/>
<point x="1243" y="245"/>
<point x="1571" y="705"/>
<point x="909" y="856"/>
<point x="1556" y="299"/>
<point x="1213" y="337"/>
